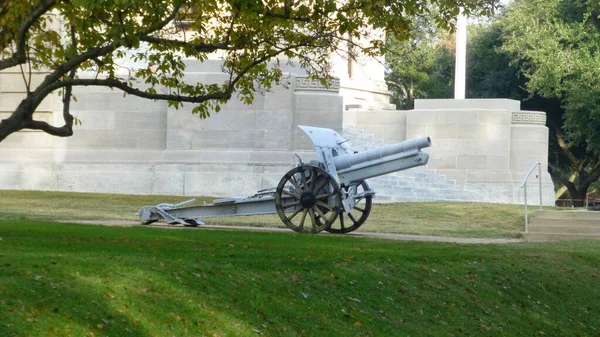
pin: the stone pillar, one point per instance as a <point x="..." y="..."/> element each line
<point x="315" y="104"/>
<point x="486" y="145"/>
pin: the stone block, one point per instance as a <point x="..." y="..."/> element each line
<point x="279" y="100"/>
<point x="28" y="140"/>
<point x="394" y="133"/>
<point x="383" y="117"/>
<point x="472" y="131"/>
<point x="529" y="132"/>
<point x="224" y="139"/>
<point x="10" y="101"/>
<point x="466" y="147"/>
<point x="417" y="131"/>
<point x="178" y="139"/>
<point x="498" y="133"/>
<point x="103" y="138"/>
<point x="220" y="184"/>
<point x="485" y="103"/>
<point x="420" y="117"/>
<point x="536" y="149"/>
<point x="442" y="131"/>
<point x="11" y="176"/>
<point x="494" y="117"/>
<point x="104" y="178"/>
<point x="96" y="119"/>
<point x="471" y="162"/>
<point x="442" y="162"/>
<point x="459" y="176"/>
<point x="277" y="140"/>
<point x="273" y="121"/>
<point x="140" y="120"/>
<point x="151" y="139"/>
<point x="463" y="117"/>
<point x="168" y="179"/>
<point x="325" y="104"/>
<point x="481" y="176"/>
<point x="41" y="177"/>
<point x="525" y="162"/>
<point x="498" y="163"/>
<point x="13" y="82"/>
<point x="106" y="155"/>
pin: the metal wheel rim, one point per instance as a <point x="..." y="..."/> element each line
<point x="347" y="223"/>
<point x="294" y="204"/>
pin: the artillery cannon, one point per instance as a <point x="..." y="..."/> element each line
<point x="330" y="191"/>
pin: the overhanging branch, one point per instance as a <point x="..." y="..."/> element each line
<point x="199" y="47"/>
<point x="114" y="83"/>
<point x="20" y="56"/>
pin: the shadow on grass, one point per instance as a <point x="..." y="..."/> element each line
<point x="66" y="279"/>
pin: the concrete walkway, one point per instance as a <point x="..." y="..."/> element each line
<point x="359" y="234"/>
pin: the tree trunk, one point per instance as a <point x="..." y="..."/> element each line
<point x="578" y="199"/>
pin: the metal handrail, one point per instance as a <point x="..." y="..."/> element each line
<point x="524" y="187"/>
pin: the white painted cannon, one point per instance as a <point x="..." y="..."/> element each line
<point x="329" y="193"/>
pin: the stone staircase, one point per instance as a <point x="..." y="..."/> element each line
<point x="416" y="184"/>
<point x="564" y="225"/>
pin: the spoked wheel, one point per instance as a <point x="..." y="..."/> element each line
<point x="307" y="199"/>
<point x="348" y="222"/>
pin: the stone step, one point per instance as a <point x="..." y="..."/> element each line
<point x="567" y="229"/>
<point x="564" y="222"/>
<point x="559" y="236"/>
<point x="418" y="184"/>
<point x="578" y="214"/>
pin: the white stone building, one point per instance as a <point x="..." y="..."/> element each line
<point x="481" y="148"/>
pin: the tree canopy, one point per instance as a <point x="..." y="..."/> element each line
<point x="546" y="54"/>
<point x="421" y="66"/>
<point x="557" y="45"/>
<point x="64" y="37"/>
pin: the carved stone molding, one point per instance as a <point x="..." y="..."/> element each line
<point x="529" y="117"/>
<point x="305" y="83"/>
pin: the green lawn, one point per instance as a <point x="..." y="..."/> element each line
<point x="447" y="219"/>
<point x="79" y="280"/>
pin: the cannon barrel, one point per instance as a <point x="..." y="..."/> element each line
<point x="348" y="160"/>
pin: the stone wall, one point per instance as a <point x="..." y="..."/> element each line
<point x="485" y="145"/>
<point x="137" y="146"/>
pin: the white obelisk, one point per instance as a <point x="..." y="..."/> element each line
<point x="460" y="67"/>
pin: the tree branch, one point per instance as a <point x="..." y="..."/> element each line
<point x="114" y="83"/>
<point x="199" y="47"/>
<point x="51" y="82"/>
<point x="20" y="56"/>
<point x="565" y="148"/>
<point x="63" y="131"/>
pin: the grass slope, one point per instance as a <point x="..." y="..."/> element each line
<point x="446" y="219"/>
<point x="77" y="280"/>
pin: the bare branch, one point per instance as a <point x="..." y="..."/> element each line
<point x="63" y="131"/>
<point x="114" y="83"/>
<point x="67" y="117"/>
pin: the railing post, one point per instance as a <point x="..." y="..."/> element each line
<point x="526" y="214"/>
<point x="524" y="187"/>
<point x="540" y="181"/>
